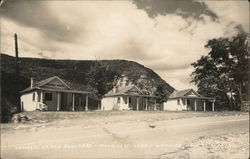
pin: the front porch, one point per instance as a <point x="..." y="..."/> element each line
<point x="62" y="100"/>
<point x="196" y="103"/>
<point x="136" y="102"/>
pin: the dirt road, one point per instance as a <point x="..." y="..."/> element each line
<point x="138" y="139"/>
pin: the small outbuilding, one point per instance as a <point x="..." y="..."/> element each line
<point x="188" y="100"/>
<point x="53" y="94"/>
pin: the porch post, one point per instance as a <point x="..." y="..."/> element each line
<point x="146" y="103"/>
<point x="137" y="103"/>
<point x="41" y="99"/>
<point x="87" y="102"/>
<point x="213" y="105"/>
<point x="155" y="104"/>
<point x="58" y="101"/>
<point x="186" y="104"/>
<point x="195" y="105"/>
<point x="204" y="105"/>
<point x="73" y="102"/>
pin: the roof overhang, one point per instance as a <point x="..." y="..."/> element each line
<point x="27" y="90"/>
<point x="132" y="95"/>
<point x="193" y="97"/>
<point x="55" y="90"/>
<point x="65" y="91"/>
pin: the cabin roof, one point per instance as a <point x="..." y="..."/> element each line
<point x="184" y="94"/>
<point x="43" y="82"/>
<point x="120" y="91"/>
<point x="38" y="85"/>
<point x="125" y="91"/>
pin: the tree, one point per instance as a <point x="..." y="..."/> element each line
<point x="161" y="93"/>
<point x="6" y="110"/>
<point x="100" y="78"/>
<point x="145" y="85"/>
<point x="223" y="72"/>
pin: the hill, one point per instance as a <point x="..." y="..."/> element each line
<point x="73" y="71"/>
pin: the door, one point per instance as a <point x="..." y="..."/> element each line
<point x="188" y="104"/>
<point x="64" y="102"/>
<point x="48" y="100"/>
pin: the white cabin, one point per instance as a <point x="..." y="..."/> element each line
<point x="126" y="96"/>
<point x="53" y="94"/>
<point x="188" y="99"/>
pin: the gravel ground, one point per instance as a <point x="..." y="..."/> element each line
<point x="227" y="146"/>
<point x="153" y="134"/>
<point x="93" y="118"/>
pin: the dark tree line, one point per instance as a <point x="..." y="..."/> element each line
<point x="224" y="72"/>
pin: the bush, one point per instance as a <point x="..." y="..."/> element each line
<point x="7" y="110"/>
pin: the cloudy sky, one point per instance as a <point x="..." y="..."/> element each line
<point x="164" y="35"/>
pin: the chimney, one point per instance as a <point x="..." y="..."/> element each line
<point x="31" y="82"/>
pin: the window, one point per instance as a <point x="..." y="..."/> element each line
<point x="34" y="97"/>
<point x="48" y="96"/>
<point x="118" y="100"/>
<point x="178" y="101"/>
<point x="39" y="97"/>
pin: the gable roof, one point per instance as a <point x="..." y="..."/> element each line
<point x="42" y="83"/>
<point x="122" y="91"/>
<point x="182" y="93"/>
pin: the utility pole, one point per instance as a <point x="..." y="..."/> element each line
<point x="17" y="75"/>
<point x="17" y="59"/>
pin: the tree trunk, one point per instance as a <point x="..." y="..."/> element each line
<point x="240" y="94"/>
<point x="230" y="102"/>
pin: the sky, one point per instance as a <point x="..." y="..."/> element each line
<point x="163" y="35"/>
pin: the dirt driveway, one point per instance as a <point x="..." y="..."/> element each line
<point x="142" y="135"/>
